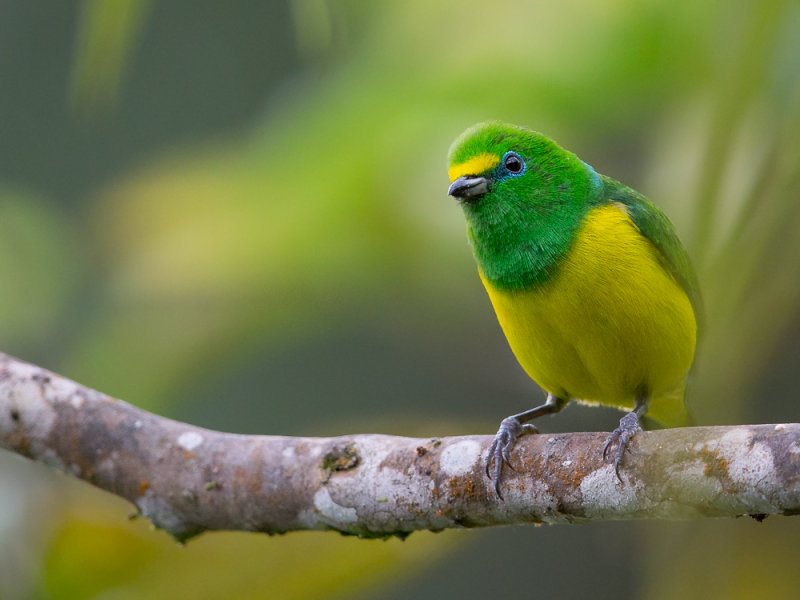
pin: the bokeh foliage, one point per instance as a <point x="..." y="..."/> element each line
<point x="235" y="214"/>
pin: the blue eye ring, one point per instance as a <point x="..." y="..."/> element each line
<point x="513" y="164"/>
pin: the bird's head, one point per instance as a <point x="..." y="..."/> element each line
<point x="523" y="197"/>
<point x="496" y="165"/>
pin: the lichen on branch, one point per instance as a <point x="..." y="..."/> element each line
<point x="187" y="479"/>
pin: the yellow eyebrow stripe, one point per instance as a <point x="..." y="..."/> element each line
<point x="474" y="166"/>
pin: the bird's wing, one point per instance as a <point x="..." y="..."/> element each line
<point x="656" y="227"/>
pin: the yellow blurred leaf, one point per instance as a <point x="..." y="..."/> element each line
<point x="95" y="553"/>
<point x="107" y="34"/>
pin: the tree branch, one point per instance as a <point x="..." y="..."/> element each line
<point x="186" y="479"/>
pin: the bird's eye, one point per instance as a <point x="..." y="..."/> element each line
<point x="513" y="163"/>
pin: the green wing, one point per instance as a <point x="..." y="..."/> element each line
<point x="656" y="227"/>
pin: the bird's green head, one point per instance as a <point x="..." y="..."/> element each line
<point x="523" y="196"/>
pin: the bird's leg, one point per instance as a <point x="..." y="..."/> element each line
<point x="628" y="426"/>
<point x="510" y="429"/>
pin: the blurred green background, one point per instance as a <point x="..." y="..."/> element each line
<point x="235" y="214"/>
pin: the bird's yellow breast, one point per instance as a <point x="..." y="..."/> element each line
<point x="610" y="324"/>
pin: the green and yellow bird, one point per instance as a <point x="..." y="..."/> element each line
<point x="592" y="287"/>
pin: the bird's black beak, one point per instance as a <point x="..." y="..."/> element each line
<point x="467" y="188"/>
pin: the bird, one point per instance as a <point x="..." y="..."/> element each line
<point x="591" y="285"/>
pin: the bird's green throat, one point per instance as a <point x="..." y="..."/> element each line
<point x="525" y="222"/>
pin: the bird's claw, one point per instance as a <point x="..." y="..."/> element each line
<point x="628" y="427"/>
<point x="500" y="449"/>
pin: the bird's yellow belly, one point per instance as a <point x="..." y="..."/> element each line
<point x="610" y="325"/>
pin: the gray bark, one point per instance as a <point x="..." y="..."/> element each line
<point x="186" y="479"/>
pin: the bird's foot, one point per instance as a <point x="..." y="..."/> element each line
<point x="500" y="449"/>
<point x="628" y="427"/>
